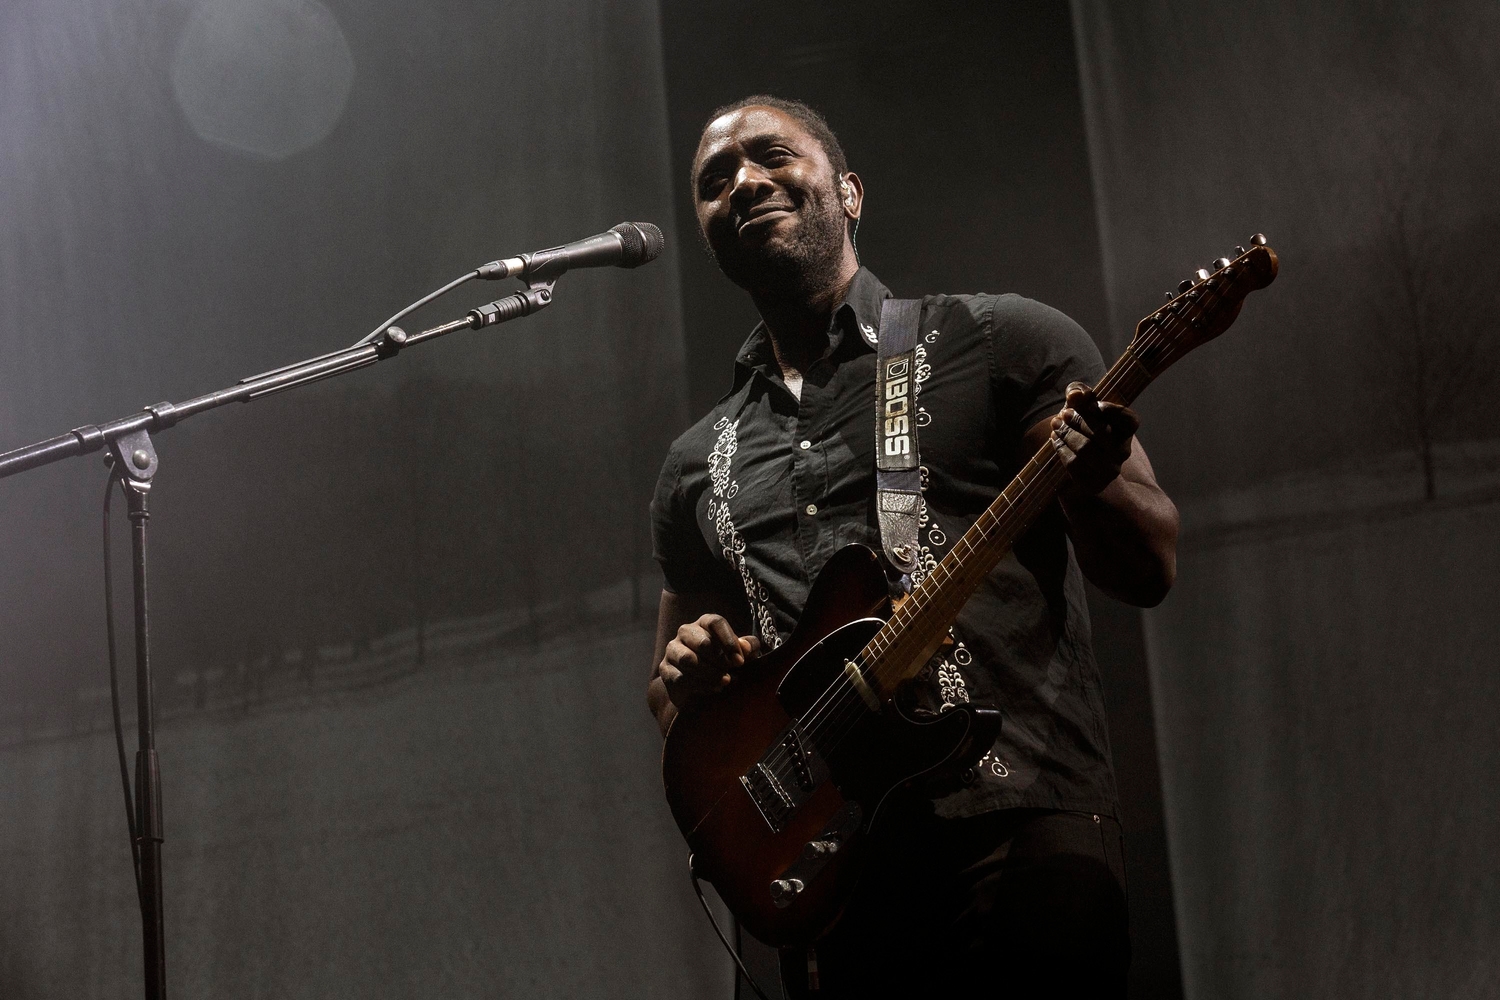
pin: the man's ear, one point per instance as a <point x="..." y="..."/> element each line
<point x="851" y="194"/>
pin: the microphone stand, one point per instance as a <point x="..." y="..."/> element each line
<point x="134" y="464"/>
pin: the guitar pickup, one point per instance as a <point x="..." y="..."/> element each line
<point x="801" y="765"/>
<point x="783" y="778"/>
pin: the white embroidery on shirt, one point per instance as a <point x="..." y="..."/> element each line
<point x="924" y="372"/>
<point x="952" y="688"/>
<point x="926" y="562"/>
<point x="950" y="679"/>
<point x="720" y="461"/>
<point x="993" y="764"/>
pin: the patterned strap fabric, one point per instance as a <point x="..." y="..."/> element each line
<point x="898" y="479"/>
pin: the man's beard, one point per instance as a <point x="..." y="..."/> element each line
<point x="802" y="265"/>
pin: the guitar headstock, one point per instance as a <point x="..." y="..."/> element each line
<point x="1203" y="306"/>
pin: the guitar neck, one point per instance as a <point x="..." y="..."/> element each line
<point x="1206" y="306"/>
<point x="899" y="650"/>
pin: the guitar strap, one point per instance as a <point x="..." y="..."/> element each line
<point x="898" y="477"/>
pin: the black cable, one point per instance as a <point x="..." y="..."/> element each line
<point x="415" y="306"/>
<point x="733" y="953"/>
<point x="114" y="693"/>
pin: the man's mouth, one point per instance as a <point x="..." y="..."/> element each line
<point x="762" y="214"/>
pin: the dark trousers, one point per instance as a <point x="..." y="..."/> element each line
<point x="1018" y="903"/>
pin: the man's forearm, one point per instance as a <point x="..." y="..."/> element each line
<point x="1126" y="539"/>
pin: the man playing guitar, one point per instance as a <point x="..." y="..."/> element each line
<point x="1010" y="878"/>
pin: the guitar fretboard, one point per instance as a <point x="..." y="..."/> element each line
<point x="1206" y="306"/>
<point x="896" y="651"/>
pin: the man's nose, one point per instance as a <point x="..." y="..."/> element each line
<point x="749" y="182"/>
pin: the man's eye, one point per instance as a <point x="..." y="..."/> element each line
<point x="710" y="186"/>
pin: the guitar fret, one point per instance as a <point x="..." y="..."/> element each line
<point x="935" y="602"/>
<point x="1159" y="341"/>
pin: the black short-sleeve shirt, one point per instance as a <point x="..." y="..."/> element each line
<point x="756" y="497"/>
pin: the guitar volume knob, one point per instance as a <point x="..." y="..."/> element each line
<point x="822" y="848"/>
<point x="783" y="889"/>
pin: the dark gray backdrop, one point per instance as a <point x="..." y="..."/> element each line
<point x="1325" y="673"/>
<point x="404" y="741"/>
<point x="404" y="617"/>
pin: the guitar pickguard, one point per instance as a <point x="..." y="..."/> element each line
<point x="793" y="767"/>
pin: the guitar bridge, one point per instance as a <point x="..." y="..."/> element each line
<point x="783" y="778"/>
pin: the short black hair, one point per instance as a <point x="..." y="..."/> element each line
<point x="806" y="116"/>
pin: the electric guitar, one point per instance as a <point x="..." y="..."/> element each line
<point x="777" y="781"/>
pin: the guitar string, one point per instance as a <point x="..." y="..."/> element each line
<point x="1021" y="507"/>
<point x="1165" y="324"/>
<point x="830" y="723"/>
<point x="841" y="702"/>
<point x="841" y="705"/>
<point x="819" y="720"/>
<point x="835" y="706"/>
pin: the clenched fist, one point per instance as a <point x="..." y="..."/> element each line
<point x="702" y="658"/>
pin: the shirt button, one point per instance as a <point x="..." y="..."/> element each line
<point x="812" y="510"/>
<point x="806" y="445"/>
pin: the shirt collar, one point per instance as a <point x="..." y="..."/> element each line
<point x="858" y="314"/>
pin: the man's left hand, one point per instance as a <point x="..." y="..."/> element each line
<point x="1092" y="438"/>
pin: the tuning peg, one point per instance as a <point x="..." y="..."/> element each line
<point x="1259" y="239"/>
<point x="1200" y="275"/>
<point x="1238" y="251"/>
<point x="1184" y="284"/>
<point x="1171" y="296"/>
<point x="1222" y="262"/>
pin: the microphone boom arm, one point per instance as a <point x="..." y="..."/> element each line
<point x="134" y="465"/>
<point x="160" y="416"/>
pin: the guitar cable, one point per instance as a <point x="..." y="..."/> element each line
<point x="733" y="952"/>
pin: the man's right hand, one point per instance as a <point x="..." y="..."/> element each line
<point x="702" y="658"/>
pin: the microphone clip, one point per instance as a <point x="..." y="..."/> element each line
<point x="537" y="296"/>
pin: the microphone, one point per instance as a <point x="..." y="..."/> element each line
<point x="630" y="244"/>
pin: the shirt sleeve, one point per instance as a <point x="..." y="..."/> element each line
<point x="1036" y="351"/>
<point x="677" y="543"/>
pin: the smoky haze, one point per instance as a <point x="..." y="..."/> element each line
<point x="402" y="619"/>
<point x="1325" y="669"/>
<point x="398" y="660"/>
<point x="144" y="261"/>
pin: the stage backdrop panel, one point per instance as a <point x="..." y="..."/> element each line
<point x="492" y="826"/>
<point x="1325" y="672"/>
<point x="193" y="192"/>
